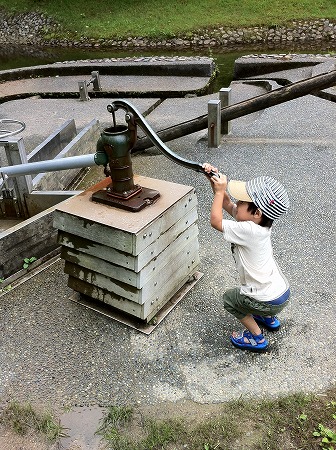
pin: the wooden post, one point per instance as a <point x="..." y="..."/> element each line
<point x="214" y="123"/>
<point x="281" y="95"/>
<point x="225" y="98"/>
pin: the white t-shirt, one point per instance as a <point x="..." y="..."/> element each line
<point x="252" y="251"/>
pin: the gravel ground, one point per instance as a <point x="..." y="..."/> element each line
<point x="56" y="351"/>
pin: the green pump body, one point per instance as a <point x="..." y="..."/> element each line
<point x="117" y="142"/>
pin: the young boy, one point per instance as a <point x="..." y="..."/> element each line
<point x="264" y="290"/>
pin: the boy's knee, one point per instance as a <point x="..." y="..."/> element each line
<point x="228" y="299"/>
<point x="232" y="303"/>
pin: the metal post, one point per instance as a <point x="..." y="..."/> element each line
<point x="214" y="123"/>
<point x="96" y="80"/>
<point x="83" y="91"/>
<point x="225" y="98"/>
<point x="16" y="155"/>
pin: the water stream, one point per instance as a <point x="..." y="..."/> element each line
<point x="15" y="57"/>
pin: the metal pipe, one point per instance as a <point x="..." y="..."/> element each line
<point x="6" y="133"/>
<point x="71" y="162"/>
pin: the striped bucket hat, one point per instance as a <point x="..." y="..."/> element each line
<point x="265" y="192"/>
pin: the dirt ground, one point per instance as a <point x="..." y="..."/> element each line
<point x="9" y="440"/>
<point x="81" y="423"/>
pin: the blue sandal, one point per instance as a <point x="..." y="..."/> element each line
<point x="253" y="344"/>
<point x="271" y="323"/>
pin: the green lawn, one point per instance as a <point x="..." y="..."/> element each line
<point x="116" y="19"/>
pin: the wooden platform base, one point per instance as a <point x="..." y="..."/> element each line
<point x="133" y="322"/>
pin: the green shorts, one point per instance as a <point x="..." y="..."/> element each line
<point x="240" y="305"/>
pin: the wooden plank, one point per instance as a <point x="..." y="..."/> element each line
<point x="93" y="231"/>
<point x="145" y="311"/>
<point x="183" y="265"/>
<point x="133" y="322"/>
<point x="187" y="240"/>
<point x="32" y="237"/>
<point x="96" y="249"/>
<point x="187" y="222"/>
<point x="155" y="229"/>
<point x="119" y="273"/>
<point x="135" y="263"/>
<point x="154" y="284"/>
<point x="124" y="230"/>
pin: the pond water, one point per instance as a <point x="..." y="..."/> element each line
<point x="15" y="57"/>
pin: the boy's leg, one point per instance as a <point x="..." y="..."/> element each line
<point x="238" y="305"/>
<point x="249" y="323"/>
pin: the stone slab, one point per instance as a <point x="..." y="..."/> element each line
<point x="43" y="116"/>
<point x="200" y="66"/>
<point x="110" y="84"/>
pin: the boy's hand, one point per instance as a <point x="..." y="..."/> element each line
<point x="210" y="170"/>
<point x="219" y="183"/>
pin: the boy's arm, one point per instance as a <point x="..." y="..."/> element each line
<point x="221" y="200"/>
<point x="227" y="204"/>
<point x="216" y="215"/>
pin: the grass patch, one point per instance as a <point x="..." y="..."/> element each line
<point x="296" y="421"/>
<point x="117" y="430"/>
<point x="166" y="18"/>
<point x="24" y="419"/>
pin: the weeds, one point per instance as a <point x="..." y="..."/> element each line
<point x="116" y="416"/>
<point x="327" y="436"/>
<point x="294" y="421"/>
<point x="5" y="288"/>
<point x="161" y="433"/>
<point x="28" y="261"/>
<point x="157" y="433"/>
<point x="22" y="418"/>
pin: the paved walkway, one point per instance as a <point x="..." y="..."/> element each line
<point x="53" y="350"/>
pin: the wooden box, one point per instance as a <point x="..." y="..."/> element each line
<point x="133" y="261"/>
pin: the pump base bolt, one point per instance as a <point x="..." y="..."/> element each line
<point x="124" y="195"/>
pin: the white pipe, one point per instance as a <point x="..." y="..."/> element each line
<point x="70" y="162"/>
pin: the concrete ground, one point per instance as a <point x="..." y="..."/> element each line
<point x="57" y="352"/>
